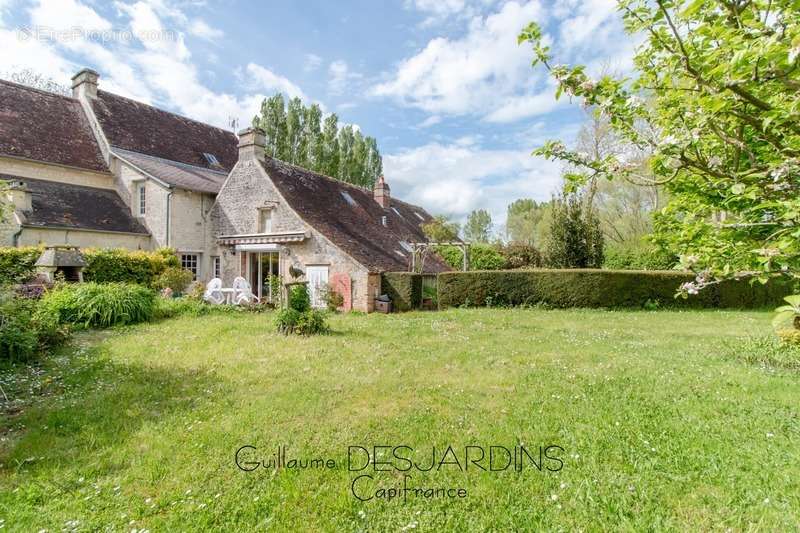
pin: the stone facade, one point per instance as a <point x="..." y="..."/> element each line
<point x="236" y="212"/>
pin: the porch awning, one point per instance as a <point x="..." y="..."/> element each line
<point x="263" y="238"/>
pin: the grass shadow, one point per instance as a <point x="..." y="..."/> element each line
<point x="78" y="405"/>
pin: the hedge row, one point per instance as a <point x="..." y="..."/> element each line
<point x="103" y="265"/>
<point x="404" y="288"/>
<point x="597" y="288"/>
<point x="16" y="264"/>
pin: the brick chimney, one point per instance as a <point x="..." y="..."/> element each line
<point x="252" y="142"/>
<point x="84" y="83"/>
<point x="19" y="196"/>
<point x="381" y="193"/>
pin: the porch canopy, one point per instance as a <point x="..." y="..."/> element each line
<point x="262" y="242"/>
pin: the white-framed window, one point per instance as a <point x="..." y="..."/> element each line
<point x="216" y="266"/>
<point x="265" y="221"/>
<point x="141" y="198"/>
<point x="191" y="263"/>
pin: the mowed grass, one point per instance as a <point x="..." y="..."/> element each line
<point x="662" y="426"/>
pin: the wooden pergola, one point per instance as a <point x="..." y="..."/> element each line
<point x="420" y="249"/>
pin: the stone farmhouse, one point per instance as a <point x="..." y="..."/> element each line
<point x="100" y="170"/>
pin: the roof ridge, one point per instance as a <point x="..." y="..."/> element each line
<point x="321" y="175"/>
<point x="36" y="89"/>
<point x="160" y="110"/>
<point x="171" y="161"/>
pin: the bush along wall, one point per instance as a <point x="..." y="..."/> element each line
<point x="123" y="266"/>
<point x="598" y="288"/>
<point x="17" y="264"/>
<point x="404" y="288"/>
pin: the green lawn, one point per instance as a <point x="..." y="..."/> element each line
<point x="662" y="426"/>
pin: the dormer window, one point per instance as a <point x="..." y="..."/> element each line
<point x="265" y="220"/>
<point x="212" y="160"/>
<point x="141" y="198"/>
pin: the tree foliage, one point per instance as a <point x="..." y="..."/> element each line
<point x="478" y="226"/>
<point x="717" y="88"/>
<point x="299" y="135"/>
<point x="441" y="229"/>
<point x="523" y="217"/>
<point x="575" y="239"/>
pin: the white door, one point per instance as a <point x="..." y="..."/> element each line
<point x="317" y="277"/>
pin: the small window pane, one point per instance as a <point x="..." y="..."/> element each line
<point x="265" y="221"/>
<point x="142" y="199"/>
<point x="189" y="262"/>
<point x="216" y="266"/>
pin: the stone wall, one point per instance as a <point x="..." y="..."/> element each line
<point x="236" y="212"/>
<point x="48" y="172"/>
<point x="84" y="239"/>
<point x="190" y="227"/>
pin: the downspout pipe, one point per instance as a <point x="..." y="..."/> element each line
<point x="169" y="215"/>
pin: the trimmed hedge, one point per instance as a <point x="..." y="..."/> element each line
<point x="104" y="265"/>
<point x="597" y="288"/>
<point x="17" y="264"/>
<point x="123" y="266"/>
<point x="404" y="288"/>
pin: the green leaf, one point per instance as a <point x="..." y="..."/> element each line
<point x="782" y="318"/>
<point x="692" y="8"/>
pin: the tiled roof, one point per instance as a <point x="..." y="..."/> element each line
<point x="179" y="175"/>
<point x="46" y="127"/>
<point x="144" y="129"/>
<point x="350" y="218"/>
<point x="63" y="205"/>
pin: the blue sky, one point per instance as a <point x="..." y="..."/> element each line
<point x="441" y="84"/>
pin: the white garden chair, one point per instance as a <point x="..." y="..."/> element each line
<point x="213" y="292"/>
<point x="243" y="292"/>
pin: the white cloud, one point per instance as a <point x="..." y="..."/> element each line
<point x="64" y="15"/>
<point x="430" y="121"/>
<point x="485" y="73"/>
<point x="339" y="76"/>
<point x="267" y="80"/>
<point x="312" y="62"/>
<point x="471" y="75"/>
<point x="458" y="177"/>
<point x="200" y="28"/>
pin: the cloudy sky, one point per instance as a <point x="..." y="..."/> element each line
<point x="441" y="84"/>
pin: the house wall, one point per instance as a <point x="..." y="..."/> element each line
<point x="83" y="239"/>
<point x="235" y="212"/>
<point x="25" y="168"/>
<point x="190" y="228"/>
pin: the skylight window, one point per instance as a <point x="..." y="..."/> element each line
<point x="419" y="216"/>
<point x="348" y="198"/>
<point x="397" y="212"/>
<point x="405" y="246"/>
<point x="211" y="159"/>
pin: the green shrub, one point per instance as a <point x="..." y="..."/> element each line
<point x="597" y="288"/>
<point x="521" y="256"/>
<point x="308" y="322"/>
<point x="99" y="305"/>
<point x="23" y="332"/>
<point x="333" y="300"/>
<point x="618" y="257"/>
<point x="485" y="257"/>
<point x="452" y="255"/>
<point x="176" y="278"/>
<point x="299" y="299"/>
<point x="404" y="288"/>
<point x="17" y="264"/>
<point x="123" y="266"/>
<point x="311" y="322"/>
<point x="481" y="257"/>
